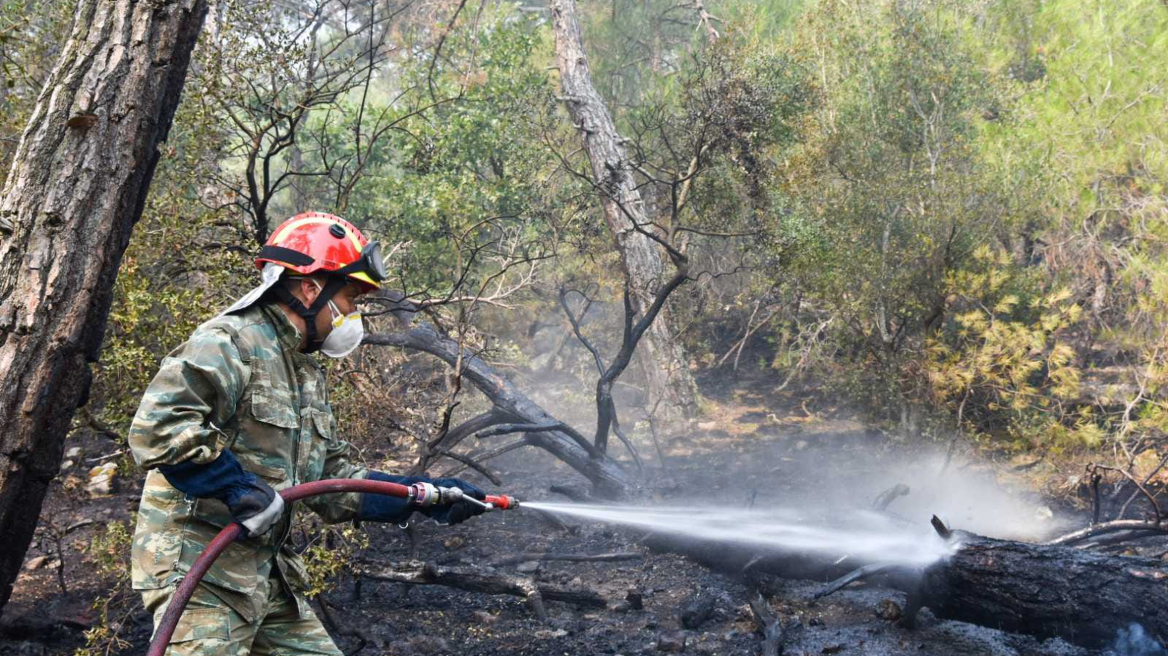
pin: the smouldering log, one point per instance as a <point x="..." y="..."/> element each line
<point x="1082" y="596"/>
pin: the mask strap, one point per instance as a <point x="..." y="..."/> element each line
<point x="308" y="313"/>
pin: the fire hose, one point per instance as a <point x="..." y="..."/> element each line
<point x="419" y="495"/>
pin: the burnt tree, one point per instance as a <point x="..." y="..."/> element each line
<point x="77" y="186"/>
<point x="513" y="412"/>
<point x="607" y="419"/>
<point x="666" y="364"/>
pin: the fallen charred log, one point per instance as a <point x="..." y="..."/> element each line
<point x="1082" y="596"/>
<point x="747" y="562"/>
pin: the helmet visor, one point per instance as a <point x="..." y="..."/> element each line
<point x="374" y="265"/>
<point x="368" y="263"/>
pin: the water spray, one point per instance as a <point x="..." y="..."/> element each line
<point x="419" y="495"/>
<point x="858" y="535"/>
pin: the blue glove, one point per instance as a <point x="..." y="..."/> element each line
<point x="251" y="501"/>
<point x="384" y="508"/>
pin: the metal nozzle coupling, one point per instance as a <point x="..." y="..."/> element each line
<point x="425" y="495"/>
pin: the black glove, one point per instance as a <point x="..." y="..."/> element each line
<point x="459" y="511"/>
<point x="251" y="501"/>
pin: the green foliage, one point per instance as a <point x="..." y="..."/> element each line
<point x="109" y="551"/>
<point x="468" y="185"/>
<point x="1090" y="132"/>
<point x="175" y="274"/>
<point x="331" y="552"/>
<point x="1005" y="357"/>
<point x="888" y="182"/>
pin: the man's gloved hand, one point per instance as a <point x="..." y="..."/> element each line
<point x="460" y="511"/>
<point x="251" y="501"/>
<point x="254" y="504"/>
<point x="384" y="508"/>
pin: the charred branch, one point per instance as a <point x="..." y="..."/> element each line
<point x="608" y="478"/>
<point x="851" y="577"/>
<point x="473" y="464"/>
<point x="1107" y="527"/>
<point x="888" y="496"/>
<point x="479" y="457"/>
<point x="768" y="624"/>
<point x="484" y="581"/>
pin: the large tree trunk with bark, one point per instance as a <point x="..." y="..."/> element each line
<point x="77" y="186"/>
<point x="664" y="359"/>
<point x="608" y="478"/>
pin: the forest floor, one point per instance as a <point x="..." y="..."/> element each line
<point x="754" y="447"/>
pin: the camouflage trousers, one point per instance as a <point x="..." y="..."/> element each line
<point x="209" y="627"/>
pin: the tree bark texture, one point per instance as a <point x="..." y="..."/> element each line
<point x="608" y="478"/>
<point x="665" y="360"/>
<point x="77" y="186"/>
<point x="1083" y="596"/>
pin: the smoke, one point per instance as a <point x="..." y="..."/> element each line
<point x="976" y="501"/>
<point x="1134" y="641"/>
<point x="964" y="497"/>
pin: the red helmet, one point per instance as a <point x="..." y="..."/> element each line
<point x="314" y="242"/>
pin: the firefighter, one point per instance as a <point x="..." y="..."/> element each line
<point x="239" y="412"/>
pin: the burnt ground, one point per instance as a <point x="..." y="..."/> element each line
<point x="744" y="452"/>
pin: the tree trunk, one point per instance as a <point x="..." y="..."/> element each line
<point x="665" y="362"/>
<point x="608" y="478"/>
<point x="1084" y="597"/>
<point x="77" y="186"/>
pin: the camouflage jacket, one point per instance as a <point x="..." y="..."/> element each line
<point x="239" y="382"/>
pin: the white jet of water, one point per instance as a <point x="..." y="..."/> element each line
<point x="860" y="535"/>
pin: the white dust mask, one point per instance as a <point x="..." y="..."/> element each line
<point x="348" y="330"/>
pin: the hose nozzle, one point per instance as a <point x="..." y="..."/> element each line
<point x="502" y="501"/>
<point x="425" y="495"/>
